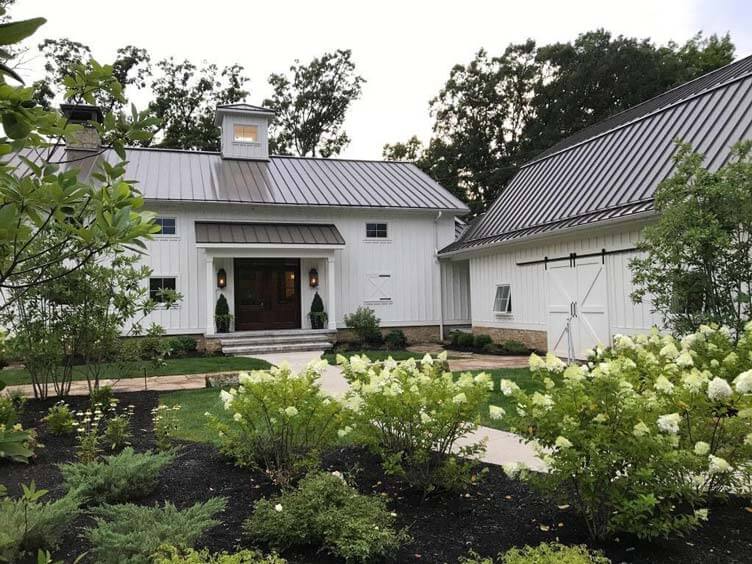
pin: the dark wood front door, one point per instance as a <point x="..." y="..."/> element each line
<point x="267" y="294"/>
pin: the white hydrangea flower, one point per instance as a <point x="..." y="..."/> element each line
<point x="548" y="383"/>
<point x="536" y="363"/>
<point x="574" y="373"/>
<point x="600" y="418"/>
<point x="719" y="389"/>
<point x="427" y="360"/>
<point x="694" y="381"/>
<point x="563" y="442"/>
<point x="717" y="465"/>
<point x="338" y="474"/>
<point x="508" y="387"/>
<point x="662" y="384"/>
<point x="731" y="359"/>
<point x="669" y="423"/>
<point x="425" y="418"/>
<point x="278" y="508"/>
<point x="623" y="342"/>
<point x="443" y="355"/>
<point x="542" y="400"/>
<point x="669" y="351"/>
<point x="318" y="366"/>
<point x="237" y="417"/>
<point x="291" y="411"/>
<point x="554" y="363"/>
<point x="226" y="398"/>
<point x="340" y="359"/>
<point x="743" y="382"/>
<point x="459" y="398"/>
<point x="344" y="432"/>
<point x="701" y="514"/>
<point x="513" y="469"/>
<point x="702" y="448"/>
<point x="640" y="429"/>
<point x="358" y="364"/>
<point x="684" y="360"/>
<point x="496" y="412"/>
<point x="748" y="440"/>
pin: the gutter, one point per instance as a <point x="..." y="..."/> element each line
<point x="441" y="273"/>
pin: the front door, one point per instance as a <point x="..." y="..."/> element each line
<point x="267" y="294"/>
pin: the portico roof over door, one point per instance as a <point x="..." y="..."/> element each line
<point x="302" y="234"/>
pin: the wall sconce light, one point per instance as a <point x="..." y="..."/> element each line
<point x="221" y="278"/>
<point x="313" y="278"/>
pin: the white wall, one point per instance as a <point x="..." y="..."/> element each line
<point x="236" y="150"/>
<point x="528" y="282"/>
<point x="408" y="255"/>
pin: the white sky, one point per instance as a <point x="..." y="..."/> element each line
<point x="404" y="49"/>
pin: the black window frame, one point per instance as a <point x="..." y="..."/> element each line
<point x="155" y="289"/>
<point x="161" y="222"/>
<point x="377" y="230"/>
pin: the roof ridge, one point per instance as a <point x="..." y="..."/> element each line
<point x="642" y="117"/>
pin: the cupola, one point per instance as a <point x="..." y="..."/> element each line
<point x="245" y="131"/>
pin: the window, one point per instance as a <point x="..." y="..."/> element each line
<point x="245" y="133"/>
<point x="376" y="230"/>
<point x="166" y="225"/>
<point x="288" y="291"/>
<point x="503" y="299"/>
<point x="158" y="285"/>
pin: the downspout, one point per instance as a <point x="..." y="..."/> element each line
<point x="441" y="272"/>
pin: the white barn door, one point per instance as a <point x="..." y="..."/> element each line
<point x="577" y="293"/>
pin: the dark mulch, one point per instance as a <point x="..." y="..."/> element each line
<point x="493" y="516"/>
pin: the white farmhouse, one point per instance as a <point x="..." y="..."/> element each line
<point x="554" y="249"/>
<point x="267" y="232"/>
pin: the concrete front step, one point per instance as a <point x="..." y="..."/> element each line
<point x="274" y="340"/>
<point x="266" y="348"/>
<point x="274" y="333"/>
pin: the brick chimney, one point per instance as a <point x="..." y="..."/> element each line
<point x="87" y="137"/>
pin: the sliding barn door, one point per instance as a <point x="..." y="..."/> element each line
<point x="561" y="289"/>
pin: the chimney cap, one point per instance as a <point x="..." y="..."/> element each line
<point x="82" y="113"/>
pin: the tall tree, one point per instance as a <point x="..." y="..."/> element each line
<point x="311" y="104"/>
<point x="185" y="98"/>
<point x="496" y="113"/>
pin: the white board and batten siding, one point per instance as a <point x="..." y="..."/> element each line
<point x="542" y="294"/>
<point x="398" y="276"/>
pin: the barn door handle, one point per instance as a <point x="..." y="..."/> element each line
<point x="574" y="307"/>
<point x="571" y="309"/>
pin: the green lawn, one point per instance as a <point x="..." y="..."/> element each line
<point x="377" y="355"/>
<point x="189" y="365"/>
<point x="192" y="421"/>
<point x="520" y="376"/>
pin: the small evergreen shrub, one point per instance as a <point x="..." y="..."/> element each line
<point x="131" y="534"/>
<point x="327" y="513"/>
<point x="365" y="325"/>
<point x="122" y="477"/>
<point x="59" y="419"/>
<point x="222" y="315"/>
<point x="514" y="347"/>
<point x="117" y="433"/>
<point x="544" y="553"/>
<point x="101" y="396"/>
<point x="171" y="555"/>
<point x="280" y="420"/>
<point x="317" y="315"/>
<point x="183" y="345"/>
<point x="28" y="524"/>
<point x="395" y="340"/>
<point x="481" y="341"/>
<point x="413" y="414"/>
<point x="464" y="340"/>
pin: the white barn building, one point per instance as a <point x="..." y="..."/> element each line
<point x="267" y="232"/>
<point x="556" y="244"/>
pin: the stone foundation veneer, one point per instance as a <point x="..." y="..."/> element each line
<point x="537" y="340"/>
<point x="415" y="333"/>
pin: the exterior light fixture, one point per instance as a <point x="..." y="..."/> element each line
<point x="313" y="278"/>
<point x="221" y="278"/>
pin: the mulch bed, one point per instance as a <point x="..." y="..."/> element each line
<point x="491" y="517"/>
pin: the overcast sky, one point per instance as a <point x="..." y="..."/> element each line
<point x="404" y="48"/>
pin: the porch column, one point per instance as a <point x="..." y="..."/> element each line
<point x="210" y="329"/>
<point x="330" y="284"/>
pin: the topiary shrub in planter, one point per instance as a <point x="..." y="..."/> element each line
<point x="365" y="325"/>
<point x="646" y="434"/>
<point x="395" y="340"/>
<point x="325" y="512"/>
<point x="222" y="317"/>
<point x="412" y="415"/>
<point x="317" y="315"/>
<point x="280" y="420"/>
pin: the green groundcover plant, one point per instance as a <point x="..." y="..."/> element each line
<point x="171" y="555"/>
<point x="544" y="553"/>
<point x="325" y="512"/>
<point x="280" y="420"/>
<point x="647" y="433"/>
<point x="28" y="524"/>
<point x="413" y="414"/>
<point x="122" y="477"/>
<point x="131" y="534"/>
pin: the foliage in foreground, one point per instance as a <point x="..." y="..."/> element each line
<point x="28" y="524"/>
<point x="280" y="420"/>
<point x="544" y="553"/>
<point x="172" y="555"/>
<point x="413" y="415"/>
<point x="131" y="534"/>
<point x="122" y="477"/>
<point x="16" y="443"/>
<point x="325" y="512"/>
<point x="641" y="438"/>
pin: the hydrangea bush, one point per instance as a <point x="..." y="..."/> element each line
<point x="280" y="420"/>
<point x="413" y="415"/>
<point x="642" y="436"/>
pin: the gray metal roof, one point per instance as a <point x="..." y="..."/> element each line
<point x="614" y="173"/>
<point x="268" y="233"/>
<point x="195" y="176"/>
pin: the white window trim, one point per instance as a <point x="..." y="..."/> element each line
<point x="255" y="143"/>
<point x="507" y="313"/>
<point x="168" y="237"/>
<point x="367" y="239"/>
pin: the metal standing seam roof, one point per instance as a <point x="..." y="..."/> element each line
<point x="614" y="173"/>
<point x="268" y="233"/>
<point x="195" y="176"/>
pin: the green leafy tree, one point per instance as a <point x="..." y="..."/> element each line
<point x="411" y="150"/>
<point x="311" y="104"/>
<point x="697" y="266"/>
